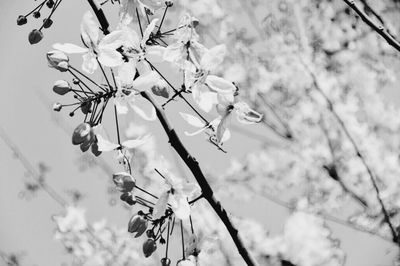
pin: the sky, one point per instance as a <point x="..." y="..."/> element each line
<point x="26" y="226"/>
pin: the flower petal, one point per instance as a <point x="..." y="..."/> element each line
<point x="104" y="144"/>
<point x="148" y="31"/>
<point x="161" y="205"/>
<point x="69" y="48"/>
<point x="213" y="57"/>
<point x="192" y="120"/>
<point x="180" y="206"/>
<point x="146" y="81"/>
<point x="89" y="64"/>
<point x="149" y="117"/>
<point x="110" y="57"/>
<point x="89" y="30"/>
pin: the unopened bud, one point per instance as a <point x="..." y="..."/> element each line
<point x="95" y="149"/>
<point x="165" y="262"/>
<point x="124" y="182"/>
<point x="58" y="60"/>
<point x="61" y="87"/>
<point x="21" y="20"/>
<point x="50" y="3"/>
<point x="160" y="91"/>
<point x="35" y="36"/>
<point x="87" y="142"/>
<point x="36" y="14"/>
<point x="169" y="3"/>
<point x="137" y="224"/>
<point x="47" y="22"/>
<point x="80" y="133"/>
<point x="57" y="107"/>
<point x="149" y="247"/>
<point x="85" y="107"/>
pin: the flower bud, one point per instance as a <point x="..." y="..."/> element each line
<point x="85" y="107"/>
<point x="21" y="20"/>
<point x="61" y="87"/>
<point x="160" y="91"/>
<point x="137" y="224"/>
<point x="36" y="14"/>
<point x="50" y="3"/>
<point x="95" y="149"/>
<point x="58" y="60"/>
<point x="47" y="22"/>
<point x="169" y="3"/>
<point x="124" y="182"/>
<point x="80" y="133"/>
<point x="87" y="142"/>
<point x="149" y="247"/>
<point x="57" y="107"/>
<point x="165" y="262"/>
<point x="35" y="36"/>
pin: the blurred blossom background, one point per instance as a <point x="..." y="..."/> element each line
<point x="260" y="172"/>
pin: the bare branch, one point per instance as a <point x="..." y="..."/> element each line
<point x="380" y="29"/>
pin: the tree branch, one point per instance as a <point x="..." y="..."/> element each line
<point x="380" y="29"/>
<point x="207" y="191"/>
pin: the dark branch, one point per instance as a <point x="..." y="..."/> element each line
<point x="380" y="29"/>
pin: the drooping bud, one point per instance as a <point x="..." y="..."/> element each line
<point x="35" y="36"/>
<point x="85" y="107"/>
<point x="61" y="87"/>
<point x="47" y="22"/>
<point x="137" y="224"/>
<point x="50" y="3"/>
<point x="80" y="133"/>
<point x="165" y="262"/>
<point x="58" y="60"/>
<point x="124" y="182"/>
<point x="160" y="91"/>
<point x="36" y="14"/>
<point x="88" y="141"/>
<point x="21" y="20"/>
<point x="95" y="149"/>
<point x="149" y="247"/>
<point x="57" y="107"/>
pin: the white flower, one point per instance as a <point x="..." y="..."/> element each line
<point x="128" y="88"/>
<point x="72" y="220"/>
<point x="176" y="193"/>
<point x="102" y="49"/>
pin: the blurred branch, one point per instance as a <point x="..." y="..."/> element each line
<point x="288" y="134"/>
<point x="357" y="150"/>
<point x="32" y="171"/>
<point x="323" y="215"/>
<point x="332" y="169"/>
<point x="380" y="29"/>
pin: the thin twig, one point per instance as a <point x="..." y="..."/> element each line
<point x="380" y="29"/>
